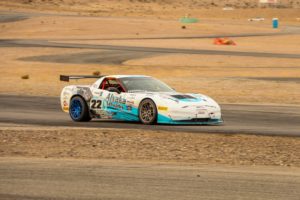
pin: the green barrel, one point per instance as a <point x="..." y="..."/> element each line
<point x="188" y="20"/>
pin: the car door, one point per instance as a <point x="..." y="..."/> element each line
<point x="106" y="100"/>
<point x="96" y="103"/>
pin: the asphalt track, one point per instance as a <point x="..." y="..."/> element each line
<point x="45" y="43"/>
<point x="239" y="119"/>
<point x="47" y="179"/>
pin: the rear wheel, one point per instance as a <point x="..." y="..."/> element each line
<point x="79" y="110"/>
<point x="148" y="112"/>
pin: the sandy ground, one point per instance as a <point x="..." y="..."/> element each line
<point x="159" y="9"/>
<point x="148" y="145"/>
<point x="76" y="27"/>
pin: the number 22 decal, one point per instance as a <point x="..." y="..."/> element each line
<point x="96" y="103"/>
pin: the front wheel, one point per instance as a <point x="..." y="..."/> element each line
<point x="147" y="112"/>
<point x="79" y="110"/>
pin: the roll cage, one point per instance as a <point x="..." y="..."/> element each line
<point x="111" y="82"/>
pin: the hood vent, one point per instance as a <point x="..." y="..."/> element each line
<point x="180" y="96"/>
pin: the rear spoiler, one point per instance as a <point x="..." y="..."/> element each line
<point x="67" y="78"/>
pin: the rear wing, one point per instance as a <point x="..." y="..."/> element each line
<point x="67" y="78"/>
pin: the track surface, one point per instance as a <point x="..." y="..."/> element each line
<point x="248" y="119"/>
<point x="49" y="44"/>
<point x="34" y="179"/>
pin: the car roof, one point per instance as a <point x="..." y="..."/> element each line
<point x="126" y="76"/>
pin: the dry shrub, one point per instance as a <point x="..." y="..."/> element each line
<point x="25" y="76"/>
<point x="96" y="73"/>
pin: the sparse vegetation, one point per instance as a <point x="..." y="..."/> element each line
<point x="96" y="73"/>
<point x="25" y="77"/>
<point x="145" y="4"/>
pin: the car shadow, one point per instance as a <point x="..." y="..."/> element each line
<point x="140" y="124"/>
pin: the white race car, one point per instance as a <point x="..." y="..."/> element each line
<point x="136" y="98"/>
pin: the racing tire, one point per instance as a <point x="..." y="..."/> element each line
<point x="78" y="110"/>
<point x="148" y="112"/>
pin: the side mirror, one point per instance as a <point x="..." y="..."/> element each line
<point x="113" y="89"/>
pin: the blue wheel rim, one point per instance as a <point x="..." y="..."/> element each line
<point x="76" y="109"/>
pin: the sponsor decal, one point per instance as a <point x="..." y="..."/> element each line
<point x="115" y="101"/>
<point x="97" y="93"/>
<point x="163" y="108"/>
<point x="129" y="108"/>
<point x="130" y="102"/>
<point x="132" y="95"/>
<point x="214" y="115"/>
<point x="85" y="92"/>
<point x="201" y="112"/>
<point x="66" y="108"/>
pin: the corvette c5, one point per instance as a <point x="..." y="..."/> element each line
<point x="136" y="98"/>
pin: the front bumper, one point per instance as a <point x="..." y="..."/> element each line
<point x="202" y="117"/>
<point x="198" y="121"/>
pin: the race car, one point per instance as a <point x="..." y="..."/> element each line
<point x="136" y="98"/>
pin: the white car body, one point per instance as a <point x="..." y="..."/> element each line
<point x="172" y="107"/>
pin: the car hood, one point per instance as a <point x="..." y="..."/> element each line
<point x="188" y="98"/>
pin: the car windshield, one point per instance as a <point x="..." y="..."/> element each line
<point x="136" y="84"/>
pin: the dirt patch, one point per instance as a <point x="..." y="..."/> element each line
<point x="11" y="18"/>
<point x="149" y="145"/>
